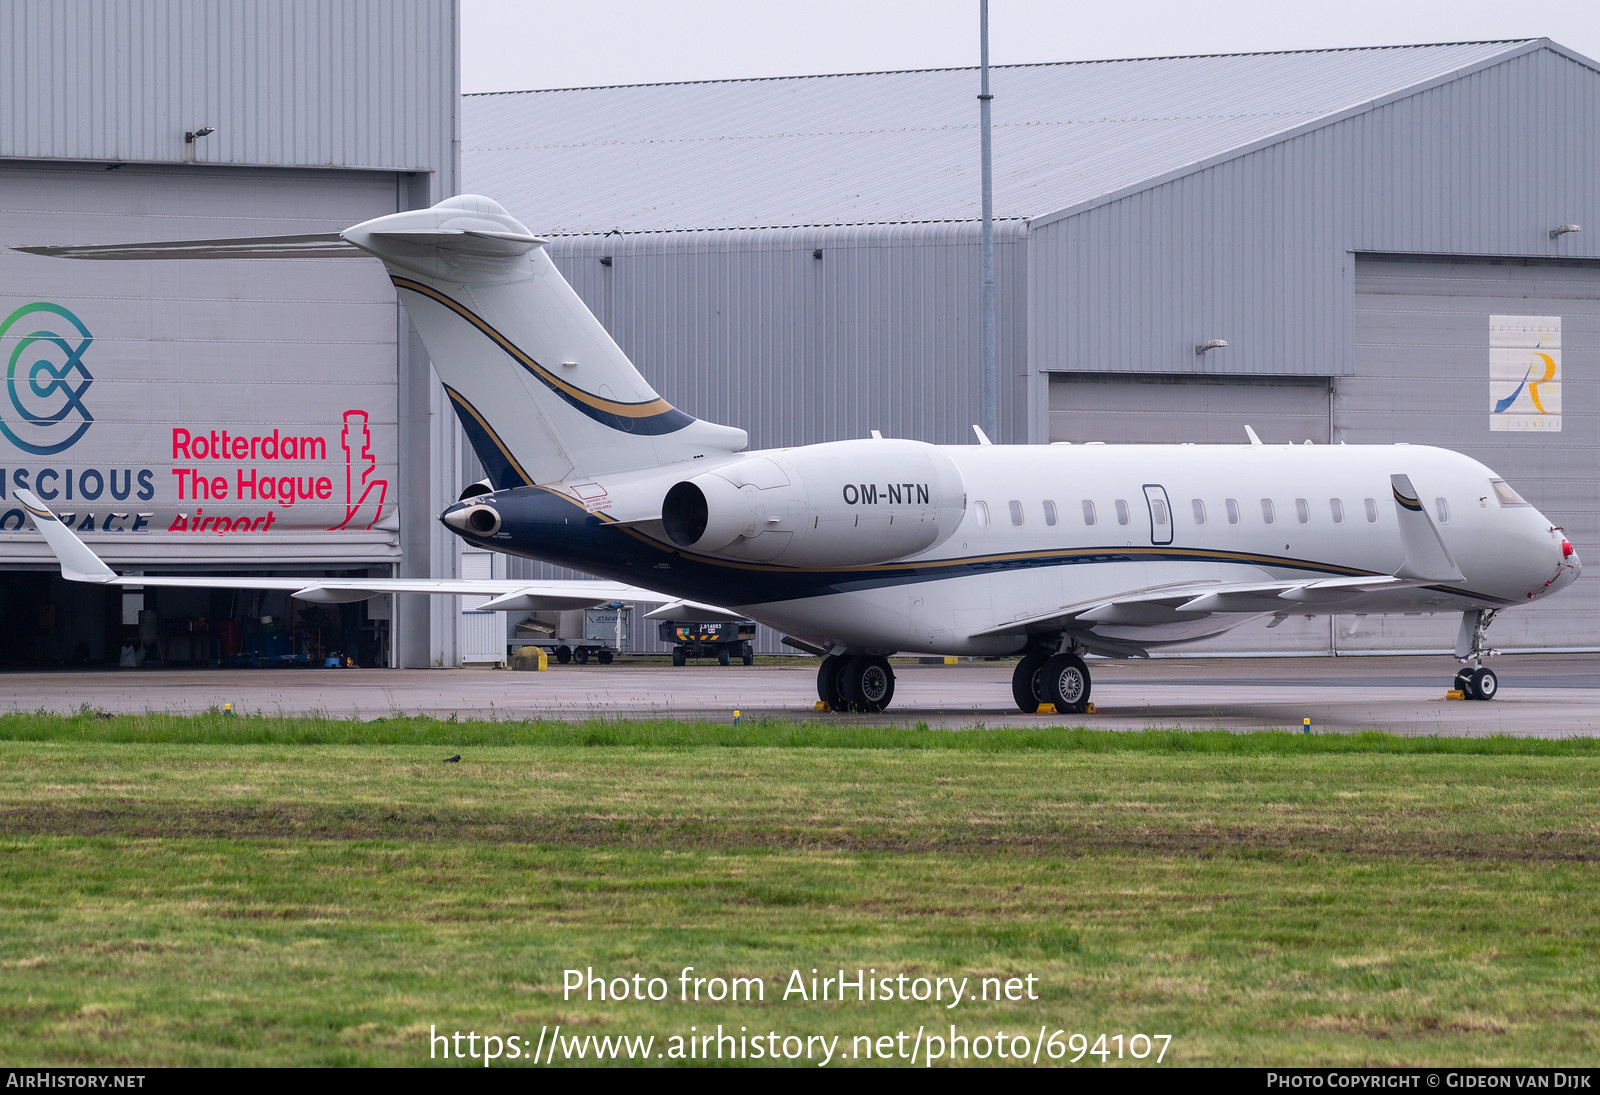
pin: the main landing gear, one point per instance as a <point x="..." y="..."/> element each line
<point x="1059" y="679"/>
<point x="859" y="683"/>
<point x="1475" y="681"/>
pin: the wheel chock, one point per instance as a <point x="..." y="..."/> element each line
<point x="1046" y="709"/>
<point x="1455" y="694"/>
<point x="822" y="705"/>
<point x="1090" y="709"/>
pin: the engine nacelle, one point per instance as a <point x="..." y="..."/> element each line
<point x="845" y="503"/>
<point x="472" y="490"/>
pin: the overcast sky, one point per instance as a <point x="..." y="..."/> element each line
<point x="518" y="44"/>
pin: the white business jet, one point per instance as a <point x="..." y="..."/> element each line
<point x="859" y="549"/>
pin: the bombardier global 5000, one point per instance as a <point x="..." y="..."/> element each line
<point x="859" y="549"/>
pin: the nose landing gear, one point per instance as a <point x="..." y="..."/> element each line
<point x="1475" y="681"/>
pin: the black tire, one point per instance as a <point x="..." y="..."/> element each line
<point x="748" y="654"/>
<point x="604" y="657"/>
<point x="678" y="656"/>
<point x="828" y="681"/>
<point x="581" y="656"/>
<point x="1065" y="683"/>
<point x="867" y="684"/>
<point x="723" y="657"/>
<point x="1026" y="682"/>
<point x="563" y="654"/>
<point x="1463" y="682"/>
<point x="1484" y="684"/>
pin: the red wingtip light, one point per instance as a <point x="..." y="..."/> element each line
<point x="1566" y="549"/>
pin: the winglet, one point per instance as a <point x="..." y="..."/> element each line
<point x="78" y="563"/>
<point x="1426" y="557"/>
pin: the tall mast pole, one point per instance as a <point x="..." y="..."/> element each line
<point x="991" y="376"/>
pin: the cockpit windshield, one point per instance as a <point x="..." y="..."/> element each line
<point x="1504" y="492"/>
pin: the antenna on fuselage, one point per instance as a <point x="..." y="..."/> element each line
<point x="1251" y="434"/>
<point x="983" y="438"/>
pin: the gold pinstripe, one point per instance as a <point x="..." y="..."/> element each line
<point x="609" y="406"/>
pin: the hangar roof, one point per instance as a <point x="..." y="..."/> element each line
<point x="902" y="147"/>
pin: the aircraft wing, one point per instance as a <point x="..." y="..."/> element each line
<point x="1161" y="604"/>
<point x="80" y="564"/>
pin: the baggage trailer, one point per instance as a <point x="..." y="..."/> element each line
<point x="578" y="634"/>
<point x="722" y="641"/>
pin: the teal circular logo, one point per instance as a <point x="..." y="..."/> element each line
<point x="45" y="379"/>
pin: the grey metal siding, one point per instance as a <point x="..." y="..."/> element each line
<point x="245" y="347"/>
<point x="1256" y="249"/>
<point x="1422" y="376"/>
<point x="352" y="83"/>
<point x="1135" y="410"/>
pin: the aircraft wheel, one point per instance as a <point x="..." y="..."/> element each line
<point x="1026" y="684"/>
<point x="563" y="654"/>
<point x="604" y="657"/>
<point x="678" y="657"/>
<point x="1484" y="685"/>
<point x="1064" y="682"/>
<point x="867" y="684"/>
<point x="1463" y="682"/>
<point x="723" y="657"/>
<point x="828" y="682"/>
<point x="581" y="656"/>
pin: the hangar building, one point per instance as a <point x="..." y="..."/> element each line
<point x="237" y="416"/>
<point x="1389" y="241"/>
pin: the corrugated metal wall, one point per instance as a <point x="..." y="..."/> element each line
<point x="748" y="328"/>
<point x="353" y="83"/>
<point x="1423" y="376"/>
<point x="1256" y="249"/>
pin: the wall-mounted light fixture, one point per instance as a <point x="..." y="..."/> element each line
<point x="1564" y="229"/>
<point x="817" y="253"/>
<point x="1210" y="344"/>
<point x="203" y="131"/>
<point x="605" y="260"/>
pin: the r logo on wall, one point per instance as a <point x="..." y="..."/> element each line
<point x="45" y="379"/>
<point x="1525" y="373"/>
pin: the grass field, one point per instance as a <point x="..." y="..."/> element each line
<point x="275" y="891"/>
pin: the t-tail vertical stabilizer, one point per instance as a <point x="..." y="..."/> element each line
<point x="542" y="390"/>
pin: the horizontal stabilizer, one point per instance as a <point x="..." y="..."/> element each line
<point x="305" y="246"/>
<point x="1426" y="558"/>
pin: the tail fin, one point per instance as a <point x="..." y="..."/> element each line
<point x="541" y="389"/>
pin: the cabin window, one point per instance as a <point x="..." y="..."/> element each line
<point x="1233" y="512"/>
<point x="1442" y="508"/>
<point x="1372" y="512"/>
<point x="1122" y="512"/>
<point x="1016" y="511"/>
<point x="1158" y="511"/>
<point x="1088" y="512"/>
<point x="1266" y="510"/>
<point x="1336" y="507"/>
<point x="1199" y="511"/>
<point x="1302" y="510"/>
<point x="980" y="511"/>
<point x="1506" y="494"/>
<point x="1050" y="513"/>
